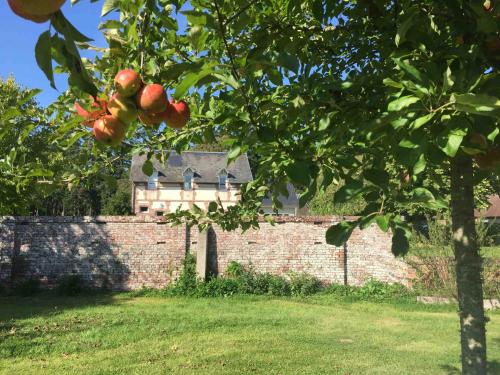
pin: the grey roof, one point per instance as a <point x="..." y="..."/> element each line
<point x="291" y="201"/>
<point x="205" y="165"/>
<point x="493" y="209"/>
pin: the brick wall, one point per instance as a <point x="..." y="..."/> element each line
<point x="131" y="252"/>
<point x="298" y="244"/>
<point x="120" y="252"/>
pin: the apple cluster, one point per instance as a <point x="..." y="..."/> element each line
<point x="38" y="11"/>
<point x="132" y="100"/>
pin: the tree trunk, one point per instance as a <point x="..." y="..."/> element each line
<point x="468" y="267"/>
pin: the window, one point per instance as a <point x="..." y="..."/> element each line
<point x="159" y="213"/>
<point x="222" y="180"/>
<point x="143" y="208"/>
<point x="188" y="179"/>
<point x="153" y="181"/>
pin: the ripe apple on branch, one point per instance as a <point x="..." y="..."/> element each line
<point x="133" y="99"/>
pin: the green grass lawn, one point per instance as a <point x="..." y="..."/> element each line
<point x="121" y="334"/>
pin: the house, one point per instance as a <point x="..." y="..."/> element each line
<point x="191" y="178"/>
<point x="290" y="204"/>
<point x="492" y="213"/>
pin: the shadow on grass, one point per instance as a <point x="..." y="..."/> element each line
<point x="48" y="303"/>
<point x="20" y="335"/>
<point x="492" y="366"/>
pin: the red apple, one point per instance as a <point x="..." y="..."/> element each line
<point x="100" y="107"/>
<point x="35" y="10"/>
<point x="177" y="114"/>
<point x="109" y="130"/>
<point x="128" y="82"/>
<point x="151" y="119"/>
<point x="122" y="108"/>
<point x="152" y="98"/>
<point x="20" y="13"/>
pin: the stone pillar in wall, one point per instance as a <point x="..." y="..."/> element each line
<point x="202" y="255"/>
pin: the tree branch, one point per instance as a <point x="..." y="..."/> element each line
<point x="222" y="29"/>
<point x="237" y="14"/>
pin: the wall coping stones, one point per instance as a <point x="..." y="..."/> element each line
<point x="156" y="219"/>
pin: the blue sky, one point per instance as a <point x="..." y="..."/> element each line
<point x="18" y="38"/>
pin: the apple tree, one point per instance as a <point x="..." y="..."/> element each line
<point x="356" y="93"/>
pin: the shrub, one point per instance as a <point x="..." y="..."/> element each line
<point x="372" y="291"/>
<point x="219" y="287"/>
<point x="235" y="269"/>
<point x="71" y="285"/>
<point x="278" y="286"/>
<point x="303" y="284"/>
<point x="27" y="288"/>
<point x="242" y="280"/>
<point x="187" y="283"/>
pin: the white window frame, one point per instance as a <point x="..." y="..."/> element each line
<point x="153" y="181"/>
<point x="187" y="177"/>
<point x="222" y="175"/>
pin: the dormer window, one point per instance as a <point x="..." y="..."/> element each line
<point x="188" y="179"/>
<point x="153" y="181"/>
<point x="222" y="180"/>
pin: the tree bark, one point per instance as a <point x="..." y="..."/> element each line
<point x="468" y="267"/>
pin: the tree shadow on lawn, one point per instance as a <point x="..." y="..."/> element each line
<point x="18" y="335"/>
<point x="49" y="304"/>
<point x="45" y="251"/>
<point x="492" y="366"/>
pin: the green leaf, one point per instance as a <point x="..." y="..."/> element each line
<point x="43" y="55"/>
<point x="324" y="123"/>
<point x="421" y="121"/>
<point x="448" y="80"/>
<point x="40" y="172"/>
<point x="411" y="70"/>
<point x="195" y="17"/>
<point x="198" y="36"/>
<point x="212" y="207"/>
<point x="422" y="195"/>
<point x="189" y="81"/>
<point x="454" y="141"/>
<point x="377" y="177"/>
<point x="400" y="242"/>
<point x="479" y="104"/>
<point x="298" y="101"/>
<point x="234" y="153"/>
<point x="391" y="83"/>
<point x="298" y="171"/>
<point x="403" y="102"/>
<point x="147" y="168"/>
<point x="351" y="190"/>
<point x="108" y="6"/>
<point x="408" y="21"/>
<point x="229" y="79"/>
<point x="420" y="164"/>
<point x="383" y="222"/>
<point x="338" y="234"/>
<point x="62" y="25"/>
